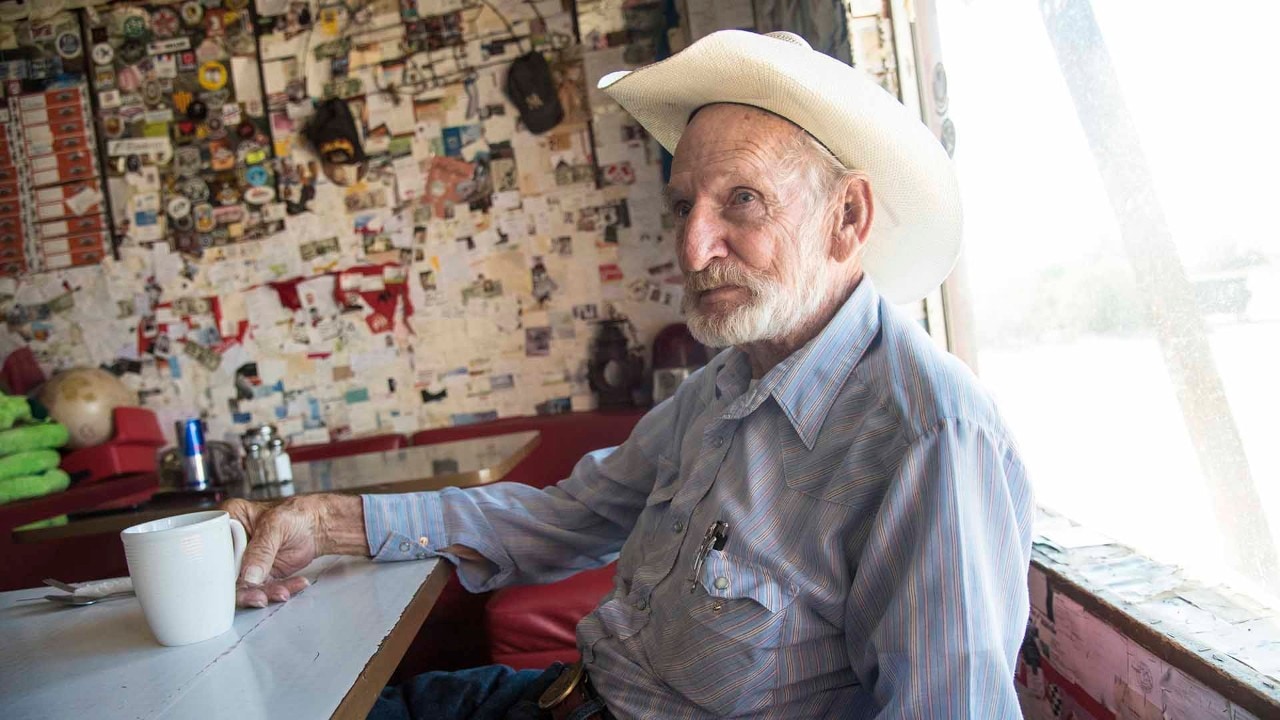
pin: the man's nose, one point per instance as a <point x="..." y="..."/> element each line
<point x="702" y="239"/>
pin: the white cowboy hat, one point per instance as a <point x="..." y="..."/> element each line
<point x="915" y="236"/>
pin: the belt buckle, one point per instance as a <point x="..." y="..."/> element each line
<point x="563" y="687"/>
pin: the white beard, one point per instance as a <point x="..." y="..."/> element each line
<point x="778" y="306"/>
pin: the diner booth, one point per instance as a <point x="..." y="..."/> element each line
<point x="271" y="249"/>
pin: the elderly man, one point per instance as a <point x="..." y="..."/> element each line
<point x="829" y="519"/>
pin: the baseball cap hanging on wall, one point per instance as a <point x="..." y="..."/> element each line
<point x="532" y="90"/>
<point x="332" y="134"/>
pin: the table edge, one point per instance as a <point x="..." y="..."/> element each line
<point x="115" y="523"/>
<point x="364" y="691"/>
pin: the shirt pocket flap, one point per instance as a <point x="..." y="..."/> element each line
<point x="731" y="578"/>
<point x="665" y="483"/>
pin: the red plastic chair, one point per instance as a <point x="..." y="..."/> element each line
<point x="343" y="448"/>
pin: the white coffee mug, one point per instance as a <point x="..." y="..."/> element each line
<point x="184" y="571"/>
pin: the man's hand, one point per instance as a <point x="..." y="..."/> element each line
<point x="285" y="537"/>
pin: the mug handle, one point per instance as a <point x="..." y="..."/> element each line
<point x="239" y="538"/>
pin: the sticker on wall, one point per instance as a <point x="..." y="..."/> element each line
<point x="68" y="44"/>
<point x="164" y="22"/>
<point x="203" y="217"/>
<point x="192" y="12"/>
<point x="259" y="195"/>
<point x="213" y="75"/>
<point x="103" y="54"/>
<point x="179" y="207"/>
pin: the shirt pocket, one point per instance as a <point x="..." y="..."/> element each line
<point x="719" y="647"/>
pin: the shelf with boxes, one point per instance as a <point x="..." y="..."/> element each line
<point x="51" y="193"/>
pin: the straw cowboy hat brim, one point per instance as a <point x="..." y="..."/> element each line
<point x="915" y="234"/>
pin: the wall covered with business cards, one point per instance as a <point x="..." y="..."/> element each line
<point x="330" y="216"/>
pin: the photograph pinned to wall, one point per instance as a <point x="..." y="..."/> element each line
<point x="609" y="219"/>
<point x="320" y="255"/>
<point x="448" y="183"/>
<point x="571" y="155"/>
<point x="463" y="141"/>
<point x="619" y="173"/>
<point x="434" y="32"/>
<point x="562" y="324"/>
<point x="562" y="245"/>
<point x="482" y="288"/>
<point x="428" y="278"/>
<point x="376" y="242"/>
<point x="366" y="196"/>
<point x="586" y="312"/>
<point x="502" y="166"/>
<point x="479" y="191"/>
<point x="537" y="341"/>
<point x="611" y="277"/>
<point x="543" y="286"/>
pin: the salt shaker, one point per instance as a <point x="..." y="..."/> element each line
<point x="280" y="459"/>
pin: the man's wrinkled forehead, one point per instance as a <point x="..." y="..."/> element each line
<point x="738" y="140"/>
<point x="755" y="116"/>
<point x="743" y="119"/>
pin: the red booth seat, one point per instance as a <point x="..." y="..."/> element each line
<point x="342" y="448"/>
<point x="532" y="626"/>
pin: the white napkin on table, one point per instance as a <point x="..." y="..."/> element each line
<point x="98" y="588"/>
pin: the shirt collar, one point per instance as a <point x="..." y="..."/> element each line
<point x="806" y="383"/>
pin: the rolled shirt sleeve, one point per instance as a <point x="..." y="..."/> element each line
<point x="527" y="535"/>
<point x="937" y="610"/>
<point x="399" y="527"/>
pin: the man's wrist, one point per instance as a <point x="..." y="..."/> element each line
<point x="341" y="525"/>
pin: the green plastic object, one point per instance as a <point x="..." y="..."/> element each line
<point x="12" y="409"/>
<point x="32" y="462"/>
<point x="30" y="486"/>
<point x="55" y="521"/>
<point x="33" y="437"/>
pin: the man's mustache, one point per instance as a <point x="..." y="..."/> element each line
<point x="719" y="275"/>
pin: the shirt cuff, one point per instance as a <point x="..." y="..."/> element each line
<point x="407" y="526"/>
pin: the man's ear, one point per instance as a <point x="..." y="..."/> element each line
<point x="853" y="222"/>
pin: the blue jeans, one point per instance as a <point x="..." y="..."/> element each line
<point x="493" y="692"/>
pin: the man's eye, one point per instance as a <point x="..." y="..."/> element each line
<point x="743" y="196"/>
<point x="681" y="209"/>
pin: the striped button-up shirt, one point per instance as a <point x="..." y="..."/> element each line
<point x="879" y="535"/>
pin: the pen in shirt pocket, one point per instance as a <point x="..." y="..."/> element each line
<point x="716" y="537"/>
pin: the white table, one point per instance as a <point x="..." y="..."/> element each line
<point x="327" y="652"/>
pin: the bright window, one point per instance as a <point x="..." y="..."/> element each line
<point x="1119" y="163"/>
